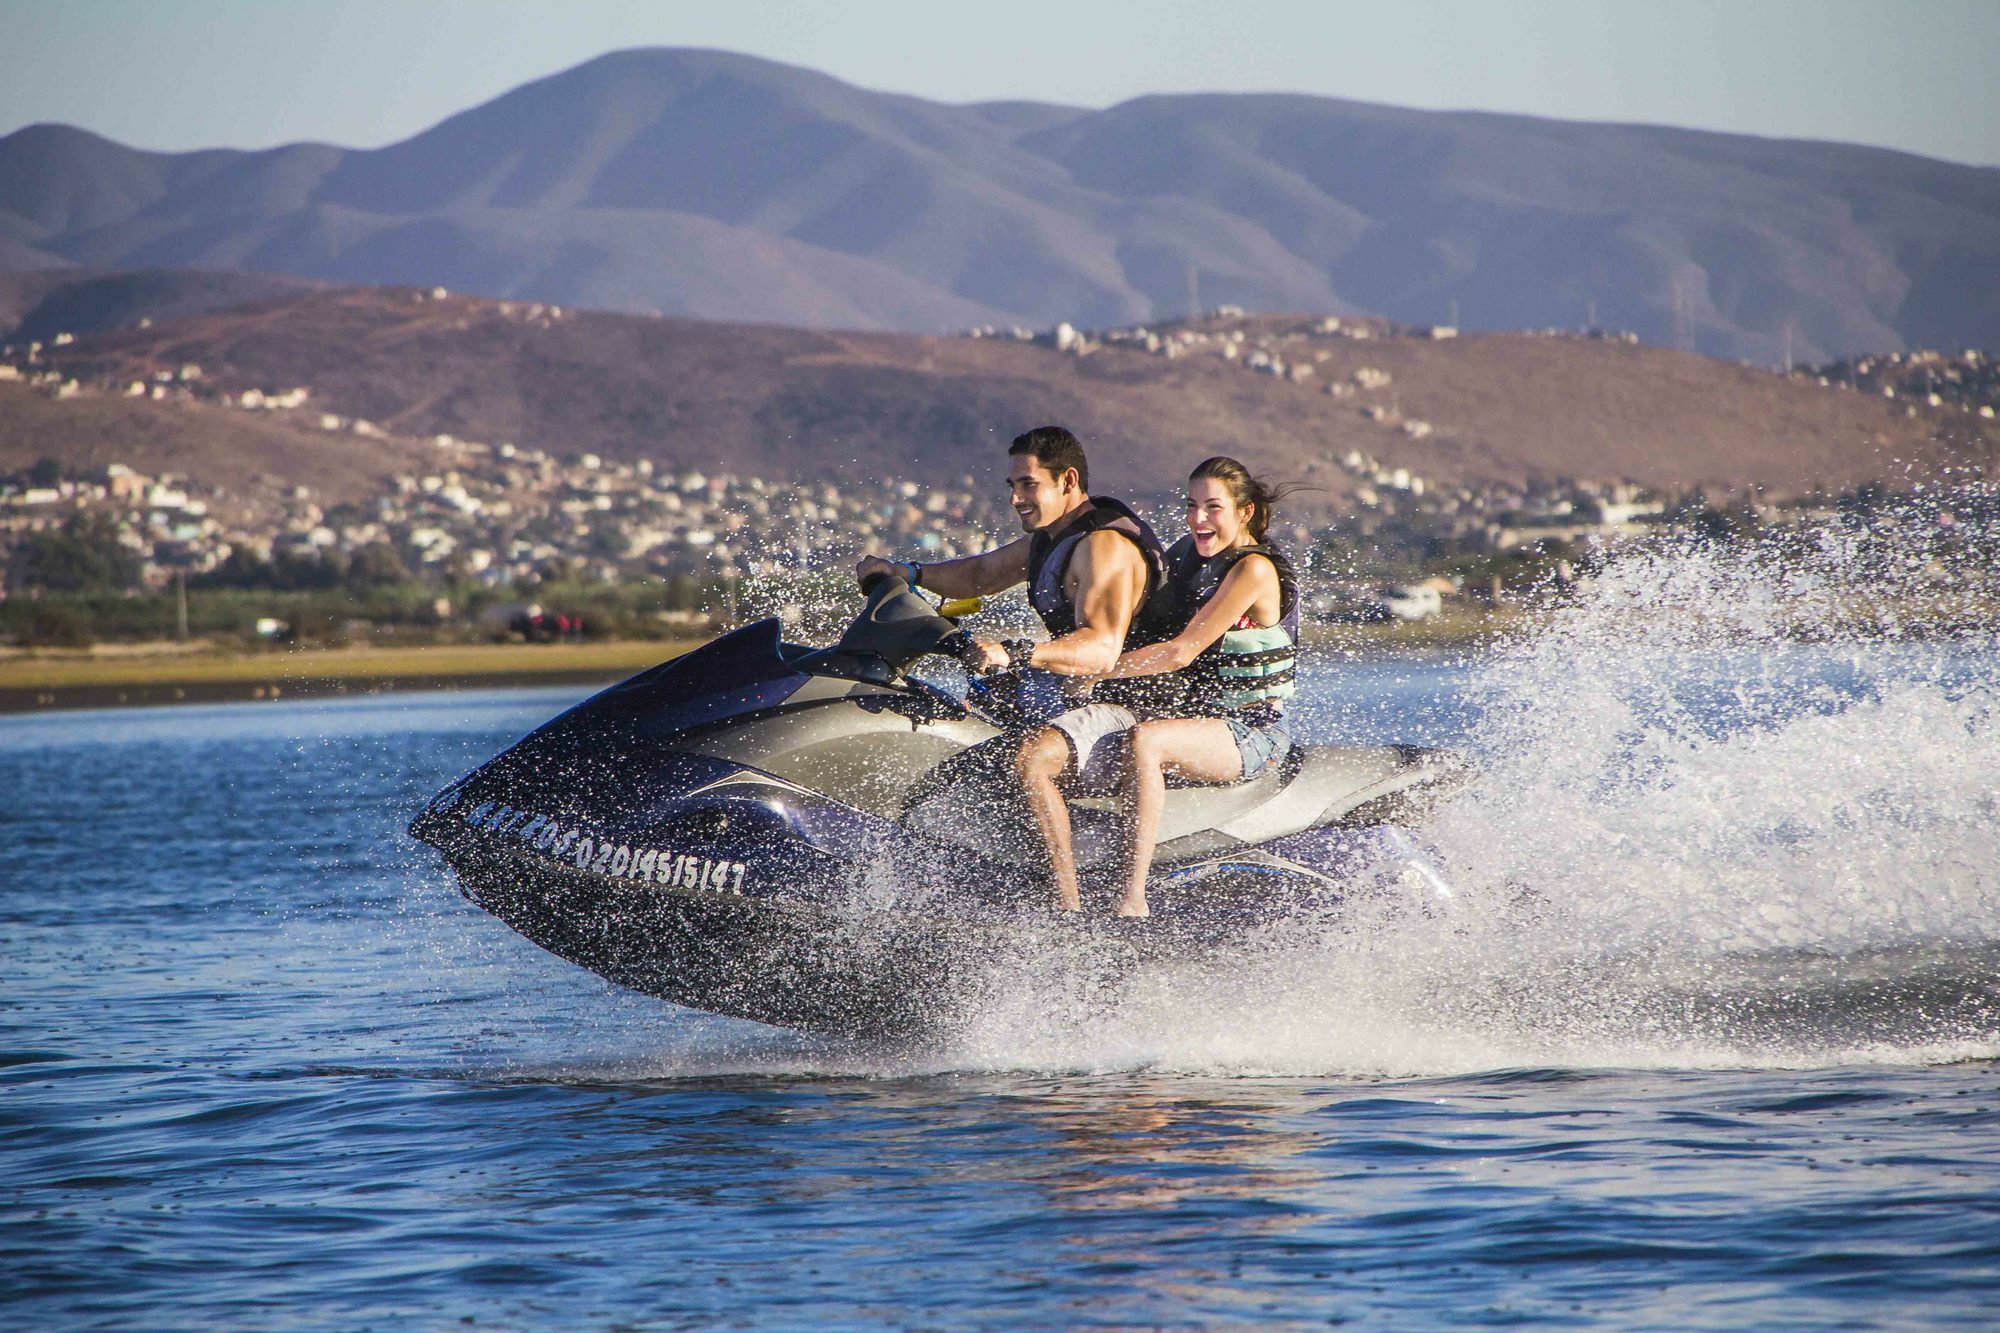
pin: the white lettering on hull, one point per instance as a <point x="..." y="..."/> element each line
<point x="662" y="866"/>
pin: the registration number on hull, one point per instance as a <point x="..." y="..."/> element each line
<point x="584" y="850"/>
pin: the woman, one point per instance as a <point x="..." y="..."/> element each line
<point x="1231" y="604"/>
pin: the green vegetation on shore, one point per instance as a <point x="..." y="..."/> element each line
<point x="388" y="615"/>
<point x="440" y="663"/>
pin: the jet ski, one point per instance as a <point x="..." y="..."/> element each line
<point x="820" y="839"/>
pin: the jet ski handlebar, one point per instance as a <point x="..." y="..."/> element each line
<point x="898" y="626"/>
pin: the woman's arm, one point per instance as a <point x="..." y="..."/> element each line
<point x="1254" y="579"/>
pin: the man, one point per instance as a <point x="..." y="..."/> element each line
<point x="1090" y="563"/>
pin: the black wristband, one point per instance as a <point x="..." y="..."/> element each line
<point x="1018" y="651"/>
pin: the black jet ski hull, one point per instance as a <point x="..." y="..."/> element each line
<point x="804" y="838"/>
<point x="791" y="963"/>
<point x="767" y="930"/>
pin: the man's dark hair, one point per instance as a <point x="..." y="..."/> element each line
<point x="1056" y="450"/>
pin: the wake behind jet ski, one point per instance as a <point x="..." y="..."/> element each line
<point x="814" y="837"/>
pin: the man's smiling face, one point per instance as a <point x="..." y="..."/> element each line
<point x="1037" y="496"/>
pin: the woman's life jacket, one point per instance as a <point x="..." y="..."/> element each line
<point x="1248" y="666"/>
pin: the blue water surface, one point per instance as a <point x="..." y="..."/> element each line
<point x="261" y="1067"/>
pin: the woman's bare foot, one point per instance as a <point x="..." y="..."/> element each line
<point x="1133" y="904"/>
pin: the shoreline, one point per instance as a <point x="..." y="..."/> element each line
<point x="138" y="675"/>
<point x="143" y="675"/>
<point x="170" y="674"/>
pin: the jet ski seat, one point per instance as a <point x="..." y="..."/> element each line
<point x="1193" y="805"/>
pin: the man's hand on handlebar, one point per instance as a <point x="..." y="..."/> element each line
<point x="984" y="656"/>
<point x="868" y="566"/>
<point x="979" y="657"/>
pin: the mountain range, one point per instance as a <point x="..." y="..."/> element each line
<point x="718" y="186"/>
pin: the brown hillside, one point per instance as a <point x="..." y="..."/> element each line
<point x="245" y="453"/>
<point x="37" y="306"/>
<point x="781" y="402"/>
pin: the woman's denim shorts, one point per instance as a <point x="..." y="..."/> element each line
<point x="1262" y="738"/>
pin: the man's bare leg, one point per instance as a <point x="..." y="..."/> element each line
<point x="1043" y="759"/>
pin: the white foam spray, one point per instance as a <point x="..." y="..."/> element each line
<point x="1700" y="840"/>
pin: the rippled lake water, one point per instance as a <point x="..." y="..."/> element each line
<point x="263" y="1067"/>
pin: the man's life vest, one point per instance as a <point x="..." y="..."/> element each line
<point x="1048" y="564"/>
<point x="1245" y="667"/>
<point x="1048" y="568"/>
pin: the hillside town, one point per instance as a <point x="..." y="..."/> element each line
<point x="1966" y="381"/>
<point x="499" y="516"/>
<point x="496" y="516"/>
<point x="1295" y="349"/>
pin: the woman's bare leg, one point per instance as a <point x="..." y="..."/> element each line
<point x="1043" y="758"/>
<point x="1200" y="748"/>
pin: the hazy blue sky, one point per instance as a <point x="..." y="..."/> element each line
<point x="1922" y="75"/>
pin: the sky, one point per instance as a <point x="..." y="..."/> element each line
<point x="1919" y="75"/>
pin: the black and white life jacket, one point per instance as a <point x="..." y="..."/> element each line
<point x="1245" y="667"/>
<point x="1048" y="564"/>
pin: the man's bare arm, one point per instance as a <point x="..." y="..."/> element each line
<point x="1106" y="579"/>
<point x="967" y="576"/>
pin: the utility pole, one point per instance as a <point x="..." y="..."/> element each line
<point x="1683" y="335"/>
<point x="1788" y="344"/>
<point x="1194" y="293"/>
<point x="181" y="604"/>
<point x="1590" y="316"/>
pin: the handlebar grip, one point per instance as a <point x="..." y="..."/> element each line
<point x="959" y="644"/>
